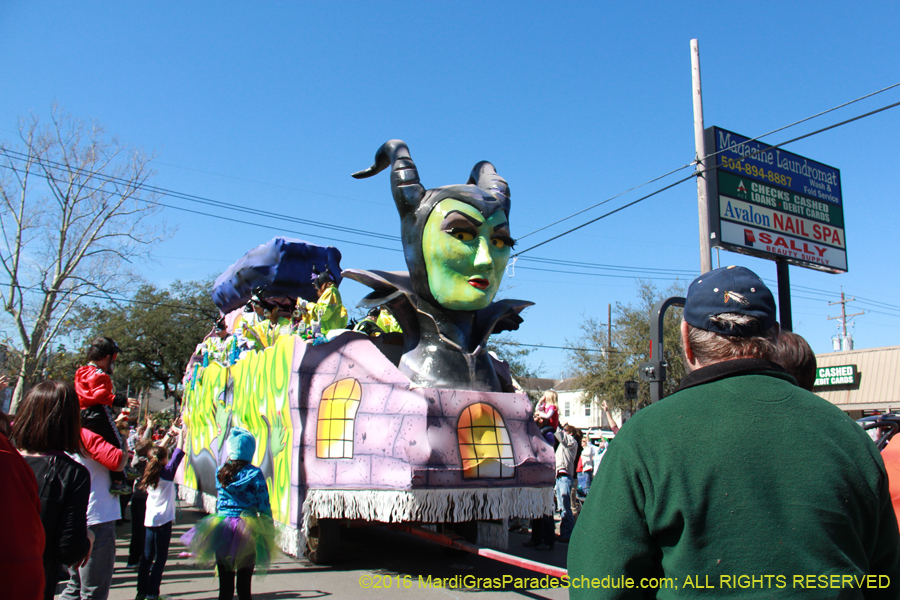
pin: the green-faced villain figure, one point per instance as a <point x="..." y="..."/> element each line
<point x="456" y="241"/>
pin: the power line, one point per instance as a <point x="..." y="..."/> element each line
<point x="824" y="112"/>
<point x="277" y="185"/>
<point x="36" y="289"/>
<point x="44" y="162"/>
<point x="232" y="220"/>
<point x="586" y="274"/>
<point x="831" y="293"/>
<point x="654" y="270"/>
<point x="242" y="222"/>
<point x="612" y="212"/>
<point x="199" y="309"/>
<point x="607" y="200"/>
<point x="797" y="139"/>
<point x="712" y="168"/>
<point x="827" y="294"/>
<point x="611" y="350"/>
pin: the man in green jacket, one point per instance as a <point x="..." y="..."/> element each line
<point x="741" y="484"/>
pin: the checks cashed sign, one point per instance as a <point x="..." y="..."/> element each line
<point x="773" y="204"/>
<point x="840" y="375"/>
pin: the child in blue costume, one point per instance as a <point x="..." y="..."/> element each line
<point x="241" y="535"/>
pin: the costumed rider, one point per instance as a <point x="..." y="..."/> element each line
<point x="377" y="321"/>
<point x="369" y="324"/>
<point x="265" y="333"/>
<point x="299" y="325"/>
<point x="252" y="316"/>
<point x="328" y="311"/>
<point x="218" y="346"/>
<point x="386" y="321"/>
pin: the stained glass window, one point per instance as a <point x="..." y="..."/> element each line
<point x="484" y="443"/>
<point x="337" y="411"/>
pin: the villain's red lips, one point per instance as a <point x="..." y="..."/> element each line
<point x="478" y="282"/>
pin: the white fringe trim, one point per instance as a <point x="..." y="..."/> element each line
<point x="394" y="506"/>
<point x="291" y="541"/>
<point x="427" y="506"/>
<point x="493" y="535"/>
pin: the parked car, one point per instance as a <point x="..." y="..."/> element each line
<point x="881" y="427"/>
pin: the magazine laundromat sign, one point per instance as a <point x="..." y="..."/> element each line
<point x="840" y="375"/>
<point x="774" y="204"/>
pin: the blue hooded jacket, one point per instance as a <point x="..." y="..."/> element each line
<point x="246" y="492"/>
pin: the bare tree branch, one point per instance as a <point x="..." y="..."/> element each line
<point x="73" y="215"/>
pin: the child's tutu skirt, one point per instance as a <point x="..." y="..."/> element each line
<point x="237" y="541"/>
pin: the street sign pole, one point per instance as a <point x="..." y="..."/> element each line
<point x="700" y="145"/>
<point x="784" y="295"/>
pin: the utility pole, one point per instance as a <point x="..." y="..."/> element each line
<point x="609" y="327"/>
<point x="700" y="145"/>
<point x="846" y="340"/>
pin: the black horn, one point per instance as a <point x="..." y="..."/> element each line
<point x="485" y="177"/>
<point x="405" y="185"/>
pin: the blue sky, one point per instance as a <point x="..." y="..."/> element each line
<point x="274" y="105"/>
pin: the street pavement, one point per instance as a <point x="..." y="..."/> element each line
<point x="374" y="563"/>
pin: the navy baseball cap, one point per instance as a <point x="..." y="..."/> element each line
<point x="729" y="290"/>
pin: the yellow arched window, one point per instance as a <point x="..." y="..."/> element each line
<point x="484" y="443"/>
<point x="337" y="410"/>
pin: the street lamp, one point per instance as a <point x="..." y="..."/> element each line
<point x="631" y="393"/>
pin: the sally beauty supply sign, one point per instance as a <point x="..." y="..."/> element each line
<point x="774" y="204"/>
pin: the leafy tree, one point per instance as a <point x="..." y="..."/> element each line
<point x="158" y="332"/>
<point x="516" y="355"/>
<point x="62" y="364"/>
<point x="602" y="370"/>
<point x="162" y="419"/>
<point x="74" y="215"/>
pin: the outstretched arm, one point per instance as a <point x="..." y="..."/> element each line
<point x="612" y="424"/>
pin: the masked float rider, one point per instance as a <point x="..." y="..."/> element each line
<point x="456" y="241"/>
<point x="328" y="311"/>
<point x="251" y="316"/>
<point x="274" y="324"/>
<point x="217" y="347"/>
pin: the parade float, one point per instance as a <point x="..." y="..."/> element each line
<point x="420" y="427"/>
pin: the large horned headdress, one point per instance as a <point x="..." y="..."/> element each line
<point x="485" y="190"/>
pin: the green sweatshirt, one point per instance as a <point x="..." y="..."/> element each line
<point x="742" y="486"/>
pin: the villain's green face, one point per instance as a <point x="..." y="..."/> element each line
<point x="465" y="254"/>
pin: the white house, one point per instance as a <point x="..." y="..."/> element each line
<point x="573" y="407"/>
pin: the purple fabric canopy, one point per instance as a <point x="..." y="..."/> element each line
<point x="282" y="266"/>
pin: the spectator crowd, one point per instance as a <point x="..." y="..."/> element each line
<point x="742" y="471"/>
<point x="71" y="460"/>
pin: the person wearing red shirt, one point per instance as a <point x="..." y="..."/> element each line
<point x="22" y="550"/>
<point x="96" y="395"/>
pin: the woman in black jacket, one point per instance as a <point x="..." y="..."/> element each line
<point x="47" y="426"/>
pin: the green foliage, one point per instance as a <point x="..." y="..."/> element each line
<point x="163" y="419"/>
<point x="602" y="372"/>
<point x="157" y="332"/>
<point x="62" y="364"/>
<point x="511" y="351"/>
<point x="516" y="355"/>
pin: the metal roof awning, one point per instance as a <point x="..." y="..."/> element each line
<point x="877" y="385"/>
